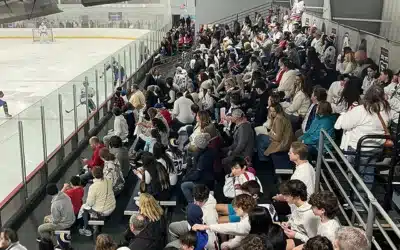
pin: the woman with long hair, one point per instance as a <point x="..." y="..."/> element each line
<point x="150" y="207"/>
<point x="300" y="101"/>
<point x="349" y="98"/>
<point x="349" y="64"/>
<point x="105" y="242"/>
<point x="162" y="129"/>
<point x="163" y="158"/>
<point x="368" y="119"/>
<point x="280" y="133"/>
<point x="260" y="220"/>
<point x="112" y="170"/>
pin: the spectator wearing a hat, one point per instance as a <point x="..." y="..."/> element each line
<point x="62" y="212"/>
<point x="164" y="112"/>
<point x="243" y="138"/>
<point x="194" y="216"/>
<point x="202" y="170"/>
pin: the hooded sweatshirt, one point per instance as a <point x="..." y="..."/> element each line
<point x="62" y="211"/>
<point x="304" y="222"/>
<point x="195" y="216"/>
<point x="210" y="217"/>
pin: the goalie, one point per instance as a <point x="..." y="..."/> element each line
<point x="43" y="32"/>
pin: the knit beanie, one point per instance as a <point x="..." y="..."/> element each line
<point x="201" y="140"/>
<point x="194" y="214"/>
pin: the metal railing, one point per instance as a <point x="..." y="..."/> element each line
<point x="333" y="173"/>
<point x="30" y="140"/>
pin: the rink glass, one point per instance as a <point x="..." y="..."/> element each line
<point x="36" y="141"/>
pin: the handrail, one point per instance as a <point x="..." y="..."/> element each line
<point x="359" y="184"/>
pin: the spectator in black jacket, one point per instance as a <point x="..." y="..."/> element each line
<point x="261" y="111"/>
<point x="202" y="170"/>
<point x="145" y="231"/>
<point x="151" y="78"/>
<point x="199" y="64"/>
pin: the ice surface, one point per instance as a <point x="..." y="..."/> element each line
<point x="30" y="72"/>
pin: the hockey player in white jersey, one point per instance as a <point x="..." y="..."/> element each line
<point x="90" y="94"/>
<point x="43" y="32"/>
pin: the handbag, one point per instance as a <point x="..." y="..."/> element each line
<point x="388" y="143"/>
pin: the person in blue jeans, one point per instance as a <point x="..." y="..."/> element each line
<point x="202" y="169"/>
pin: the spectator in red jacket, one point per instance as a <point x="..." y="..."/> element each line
<point x="75" y="191"/>
<point x="96" y="145"/>
<point x="164" y="112"/>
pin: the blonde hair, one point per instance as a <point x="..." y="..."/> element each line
<point x="150" y="207"/>
<point x="105" y="242"/>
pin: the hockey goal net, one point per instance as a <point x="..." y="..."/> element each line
<point x="42" y="36"/>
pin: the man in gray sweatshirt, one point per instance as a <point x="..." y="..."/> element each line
<point x="62" y="213"/>
<point x="243" y="139"/>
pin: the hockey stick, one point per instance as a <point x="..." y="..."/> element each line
<point x="69" y="111"/>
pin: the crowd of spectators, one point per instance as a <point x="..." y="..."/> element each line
<point x="252" y="94"/>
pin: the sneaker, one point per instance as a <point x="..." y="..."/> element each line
<point x="85" y="232"/>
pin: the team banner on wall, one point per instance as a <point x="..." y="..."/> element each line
<point x="384" y="59"/>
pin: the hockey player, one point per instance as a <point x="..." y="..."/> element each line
<point x="117" y="70"/>
<point x="43" y="32"/>
<point x="90" y="94"/>
<point x="4" y="105"/>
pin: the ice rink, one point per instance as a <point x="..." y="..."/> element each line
<point x="28" y="73"/>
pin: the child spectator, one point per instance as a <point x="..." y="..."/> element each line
<point x="304" y="170"/>
<point x="242" y="204"/>
<point x="194" y="216"/>
<point x="207" y="202"/>
<point x="150" y="141"/>
<point x="318" y="243"/>
<point x="239" y="175"/>
<point x="302" y="224"/>
<point x="325" y="205"/>
<point x="75" y="192"/>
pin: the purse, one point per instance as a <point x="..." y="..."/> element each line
<point x="388" y="143"/>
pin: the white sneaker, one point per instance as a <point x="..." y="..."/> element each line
<point x="85" y="232"/>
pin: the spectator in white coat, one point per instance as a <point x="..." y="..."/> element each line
<point x="300" y="101"/>
<point x="242" y="204"/>
<point x="182" y="113"/>
<point x="288" y="78"/>
<point x="367" y="119"/>
<point x="121" y="128"/>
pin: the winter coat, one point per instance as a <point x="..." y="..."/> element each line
<point x="281" y="135"/>
<point x="327" y="122"/>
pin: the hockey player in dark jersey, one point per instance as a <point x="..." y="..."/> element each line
<point x="4" y="105"/>
<point x="117" y="70"/>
